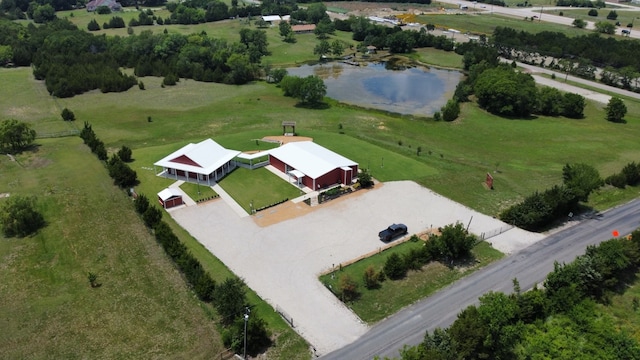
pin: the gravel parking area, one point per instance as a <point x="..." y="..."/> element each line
<point x="281" y="260"/>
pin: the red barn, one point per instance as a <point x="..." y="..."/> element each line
<point x="313" y="165"/>
<point x="170" y="197"/>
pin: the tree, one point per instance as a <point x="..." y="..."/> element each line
<point x="43" y="14"/>
<point x="593" y="12"/>
<point x="93" y="25"/>
<point x="125" y="154"/>
<point x="15" y="135"/>
<point x="141" y="204"/>
<point x="573" y="105"/>
<point x="503" y="91"/>
<point x="450" y="110"/>
<point x="582" y="179"/>
<point x="285" y="29"/>
<point x="122" y="175"/>
<point x="604" y="27"/>
<point x="276" y="75"/>
<point x="322" y="48"/>
<point x="262" y="24"/>
<point x="371" y="278"/>
<point x="19" y="216"/>
<point x="549" y="101"/>
<point x="615" y="110"/>
<point x="579" y="23"/>
<point x="152" y="216"/>
<point x="313" y="90"/>
<point x="230" y="299"/>
<point x="324" y="28"/>
<point x="613" y="15"/>
<point x="454" y="242"/>
<point x="348" y="288"/>
<point x="68" y="115"/>
<point x="394" y="268"/>
<point x="337" y="47"/>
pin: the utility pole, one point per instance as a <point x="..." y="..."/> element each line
<point x="246" y="319"/>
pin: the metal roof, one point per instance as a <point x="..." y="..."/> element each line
<point x="207" y="155"/>
<point x="310" y="158"/>
<point x="168" y="193"/>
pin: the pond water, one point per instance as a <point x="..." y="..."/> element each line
<point x="413" y="91"/>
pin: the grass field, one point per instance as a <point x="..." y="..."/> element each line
<point x="143" y="308"/>
<point x="257" y="188"/>
<point x="624" y="17"/>
<point x="374" y="305"/>
<point x="198" y="192"/>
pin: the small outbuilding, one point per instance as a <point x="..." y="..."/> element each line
<point x="170" y="197"/>
<point x="113" y="5"/>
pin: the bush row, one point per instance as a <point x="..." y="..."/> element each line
<point x="122" y="175"/>
<point x="630" y="175"/>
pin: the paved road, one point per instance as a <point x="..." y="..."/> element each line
<point x="530" y="266"/>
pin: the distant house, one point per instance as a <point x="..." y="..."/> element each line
<point x="313" y="165"/>
<point x="302" y="29"/>
<point x="371" y="49"/>
<point x="205" y="161"/>
<point x="170" y="197"/>
<point x="111" y="4"/>
<point x="272" y="19"/>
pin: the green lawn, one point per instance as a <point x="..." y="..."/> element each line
<point x="486" y="23"/>
<point x="624" y="17"/>
<point x="197" y="191"/>
<point x="446" y="59"/>
<point x="374" y="305"/>
<point x="259" y="187"/>
<point x="143" y="308"/>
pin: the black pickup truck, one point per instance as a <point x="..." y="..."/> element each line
<point x="392" y="231"/>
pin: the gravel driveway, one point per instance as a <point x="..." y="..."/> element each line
<point x="281" y="262"/>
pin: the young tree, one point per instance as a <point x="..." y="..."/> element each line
<point x="582" y="179"/>
<point x="364" y="179"/>
<point x="322" y="48"/>
<point x="371" y="278"/>
<point x="573" y="105"/>
<point x="276" y="75"/>
<point x="612" y="15"/>
<point x="285" y="29"/>
<point x="615" y="110"/>
<point x="394" y="267"/>
<point x="19" y="216"/>
<point x="593" y="12"/>
<point x="152" y="216"/>
<point x="604" y="27"/>
<point x="348" y="288"/>
<point x="125" y="154"/>
<point x="454" y="242"/>
<point x="15" y="135"/>
<point x="450" y="110"/>
<point x="141" y="204"/>
<point x="68" y="115"/>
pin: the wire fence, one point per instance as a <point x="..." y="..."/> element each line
<point x="495" y="232"/>
<point x="58" y="134"/>
<point x="285" y="316"/>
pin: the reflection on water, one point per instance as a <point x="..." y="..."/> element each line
<point x="415" y="91"/>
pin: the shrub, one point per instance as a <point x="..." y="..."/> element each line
<point x="152" y="216"/>
<point x="141" y="204"/>
<point x="170" y="80"/>
<point x="371" y="278"/>
<point x="593" y="12"/>
<point x="631" y="173"/>
<point x="93" y="25"/>
<point x="125" y="154"/>
<point x="618" y="180"/>
<point x="67" y="115"/>
<point x="19" y="216"/>
<point x="450" y="110"/>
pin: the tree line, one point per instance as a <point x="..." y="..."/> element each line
<point x="560" y="321"/>
<point x="72" y="61"/>
<point x="578" y="55"/>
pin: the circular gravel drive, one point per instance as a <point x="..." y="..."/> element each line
<point x="282" y="261"/>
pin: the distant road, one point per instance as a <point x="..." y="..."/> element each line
<point x="530" y="266"/>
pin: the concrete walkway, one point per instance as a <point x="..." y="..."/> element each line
<point x="229" y="200"/>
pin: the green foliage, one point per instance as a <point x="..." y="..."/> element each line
<point x="631" y="172"/>
<point x="593" y="12"/>
<point x="539" y="210"/>
<point x="573" y="105"/>
<point x="612" y="15"/>
<point x="141" y="204"/>
<point x="581" y="179"/>
<point x="19" y="216"/>
<point x="394" y="268"/>
<point x="93" y="25"/>
<point x="605" y="27"/>
<point x="125" y="154"/>
<point x="309" y="90"/>
<point x="450" y="110"/>
<point x="347" y="288"/>
<point x="615" y="110"/>
<point x="618" y="180"/>
<point x="454" y="242"/>
<point x="276" y="75"/>
<point x="230" y="300"/>
<point x="371" y="278"/>
<point x="285" y="29"/>
<point x="152" y="216"/>
<point x="170" y="80"/>
<point x="103" y="10"/>
<point x="67" y="115"/>
<point x="364" y="179"/>
<point x="505" y="92"/>
<point x="322" y="48"/>
<point x="122" y="175"/>
<point x="258" y="335"/>
<point x="549" y="101"/>
<point x="337" y="48"/>
<point x="15" y="135"/>
<point x="43" y="14"/>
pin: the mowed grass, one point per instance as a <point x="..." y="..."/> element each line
<point x="143" y="308"/>
<point x="257" y="188"/>
<point x="446" y="59"/>
<point x="376" y="304"/>
<point x="197" y="191"/>
<point x="486" y="24"/>
<point x="624" y="17"/>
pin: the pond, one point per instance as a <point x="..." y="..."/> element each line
<point x="414" y="91"/>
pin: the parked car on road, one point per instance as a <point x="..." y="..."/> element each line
<point x="393" y="231"/>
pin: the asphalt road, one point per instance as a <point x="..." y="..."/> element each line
<point x="530" y="266"/>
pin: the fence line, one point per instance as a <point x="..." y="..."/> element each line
<point x="58" y="134"/>
<point x="285" y="316"/>
<point x="495" y="232"/>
